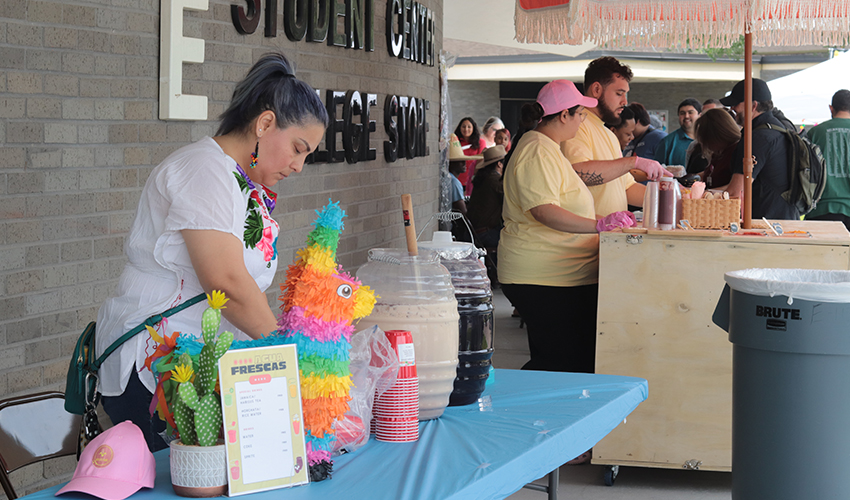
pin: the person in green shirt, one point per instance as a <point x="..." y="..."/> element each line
<point x="833" y="137"/>
<point x="672" y="150"/>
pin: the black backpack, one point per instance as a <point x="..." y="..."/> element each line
<point x="806" y="170"/>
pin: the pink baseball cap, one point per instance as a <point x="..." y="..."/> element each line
<point x="559" y="95"/>
<point x="116" y="464"/>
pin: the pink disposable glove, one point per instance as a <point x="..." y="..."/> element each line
<point x="654" y="170"/>
<point x="615" y="220"/>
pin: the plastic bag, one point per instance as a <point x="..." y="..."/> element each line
<point x="803" y="284"/>
<point x="374" y="368"/>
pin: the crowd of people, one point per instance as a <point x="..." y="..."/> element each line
<point x="539" y="201"/>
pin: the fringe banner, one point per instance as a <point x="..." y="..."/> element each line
<point x="683" y="23"/>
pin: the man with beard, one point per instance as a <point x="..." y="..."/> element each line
<point x="595" y="152"/>
<point x="672" y="150"/>
<point x="770" y="154"/>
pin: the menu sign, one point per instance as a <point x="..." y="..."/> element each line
<point x="261" y="406"/>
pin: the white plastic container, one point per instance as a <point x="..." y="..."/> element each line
<point x="416" y="294"/>
<point x="650" y="205"/>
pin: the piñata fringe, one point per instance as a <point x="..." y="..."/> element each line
<point x="319" y="444"/>
<point x="307" y="347"/>
<point x="296" y="319"/>
<point x="364" y="301"/>
<point x="331" y="216"/>
<point x="325" y="387"/>
<point x="317" y="259"/>
<point x="320" y="366"/>
<point x="321" y="413"/>
<point x="329" y="298"/>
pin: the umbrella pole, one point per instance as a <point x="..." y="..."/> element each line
<point x="747" y="200"/>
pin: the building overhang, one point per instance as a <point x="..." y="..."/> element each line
<point x="647" y="67"/>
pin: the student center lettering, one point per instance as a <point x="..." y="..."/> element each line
<point x="410" y="36"/>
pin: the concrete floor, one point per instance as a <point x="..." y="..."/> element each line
<point x="584" y="482"/>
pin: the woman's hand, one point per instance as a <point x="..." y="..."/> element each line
<point x="735" y="188"/>
<point x="219" y="263"/>
<point x="616" y="220"/>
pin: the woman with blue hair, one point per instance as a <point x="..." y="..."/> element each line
<point x="204" y="223"/>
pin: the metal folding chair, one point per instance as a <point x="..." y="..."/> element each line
<point x="34" y="428"/>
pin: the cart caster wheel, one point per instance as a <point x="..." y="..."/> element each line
<point x="610" y="474"/>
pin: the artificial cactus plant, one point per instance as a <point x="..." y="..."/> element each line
<point x="183" y="415"/>
<point x="197" y="409"/>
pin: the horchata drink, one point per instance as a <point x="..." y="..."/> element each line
<point x="416" y="294"/>
<point x="434" y="331"/>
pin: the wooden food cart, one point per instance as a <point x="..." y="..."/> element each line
<point x="657" y="293"/>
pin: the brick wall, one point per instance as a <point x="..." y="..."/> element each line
<point x="773" y="74"/>
<point x="478" y="99"/>
<point x="79" y="135"/>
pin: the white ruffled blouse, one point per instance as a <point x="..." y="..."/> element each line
<point x="196" y="187"/>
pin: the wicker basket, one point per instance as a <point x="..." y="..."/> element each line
<point x="711" y="214"/>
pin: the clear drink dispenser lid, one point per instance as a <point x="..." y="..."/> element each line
<point x="469" y="275"/>
<point x="399" y="278"/>
<point x="445" y="248"/>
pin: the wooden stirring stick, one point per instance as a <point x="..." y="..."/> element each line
<point x="409" y="226"/>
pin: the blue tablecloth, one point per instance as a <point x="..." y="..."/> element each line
<point x="528" y="424"/>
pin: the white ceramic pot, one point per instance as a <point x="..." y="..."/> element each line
<point x="198" y="471"/>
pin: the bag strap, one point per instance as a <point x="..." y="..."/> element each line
<point x="153" y="320"/>
<point x="771" y="126"/>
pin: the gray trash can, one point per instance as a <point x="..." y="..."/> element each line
<point x="790" y="330"/>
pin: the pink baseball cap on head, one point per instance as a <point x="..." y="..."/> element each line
<point x="559" y="95"/>
<point x="116" y="464"/>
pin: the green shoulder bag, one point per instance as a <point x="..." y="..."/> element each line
<point x="81" y="392"/>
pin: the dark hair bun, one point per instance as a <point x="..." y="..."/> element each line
<point x="530" y="114"/>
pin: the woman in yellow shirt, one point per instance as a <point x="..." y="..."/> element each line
<point x="549" y="247"/>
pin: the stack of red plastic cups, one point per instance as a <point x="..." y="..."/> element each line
<point x="396" y="411"/>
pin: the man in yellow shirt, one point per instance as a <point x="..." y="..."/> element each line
<point x="595" y="152"/>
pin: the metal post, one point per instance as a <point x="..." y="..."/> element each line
<point x="551" y="489"/>
<point x="748" y="127"/>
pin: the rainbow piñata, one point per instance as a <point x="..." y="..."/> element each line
<point x="320" y="301"/>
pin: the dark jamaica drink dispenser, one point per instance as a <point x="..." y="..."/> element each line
<point x="475" y="308"/>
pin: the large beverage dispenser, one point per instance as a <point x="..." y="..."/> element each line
<point x="475" y="309"/>
<point x="416" y="294"/>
